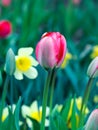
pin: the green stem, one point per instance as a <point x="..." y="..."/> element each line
<point x="84" y="101"/>
<point x="52" y="89"/>
<point x="45" y="97"/>
<point x="3" y="97"/>
<point x="11" y="89"/>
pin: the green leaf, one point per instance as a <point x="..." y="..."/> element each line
<point x="36" y="125"/>
<point x="9" y="122"/>
<point x="57" y="122"/>
<point x="16" y="114"/>
<point x="73" y="117"/>
<point x="65" y="109"/>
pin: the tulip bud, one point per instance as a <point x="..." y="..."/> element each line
<point x="6" y="2"/>
<point x="5" y="28"/>
<point x="93" y="68"/>
<point x="50" y="50"/>
<point x="92" y="122"/>
<point x="10" y="62"/>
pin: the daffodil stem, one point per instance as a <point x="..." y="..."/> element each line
<point x="3" y="97"/>
<point x="84" y="101"/>
<point x="52" y="90"/>
<point x="45" y="97"/>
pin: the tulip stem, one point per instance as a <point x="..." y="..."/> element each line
<point x="84" y="101"/>
<point x="45" y="97"/>
<point x="52" y="89"/>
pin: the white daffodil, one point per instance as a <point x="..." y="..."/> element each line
<point x="6" y="112"/>
<point x="34" y="112"/>
<point x="24" y="64"/>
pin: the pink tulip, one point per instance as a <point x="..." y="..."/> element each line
<point x="93" y="68"/>
<point x="51" y="49"/>
<point x="6" y="2"/>
<point x="92" y="122"/>
<point x="5" y="28"/>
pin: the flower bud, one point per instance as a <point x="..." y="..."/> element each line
<point x="92" y="122"/>
<point x="5" y="28"/>
<point x="51" y="49"/>
<point x="10" y="62"/>
<point x="93" y="68"/>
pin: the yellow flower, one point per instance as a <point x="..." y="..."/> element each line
<point x="78" y="105"/>
<point x="96" y="98"/>
<point x="94" y="52"/>
<point x="24" y="64"/>
<point x="66" y="60"/>
<point x="34" y="112"/>
<point x="78" y="102"/>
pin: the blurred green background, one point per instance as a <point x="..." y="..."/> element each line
<point x="78" y="22"/>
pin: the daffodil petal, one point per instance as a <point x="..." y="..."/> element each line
<point x="31" y="73"/>
<point x="18" y="75"/>
<point x="5" y="113"/>
<point x="47" y="110"/>
<point x="29" y="122"/>
<point x="34" y="106"/>
<point x="25" y="51"/>
<point x="33" y="61"/>
<point x="25" y="111"/>
<point x="46" y="122"/>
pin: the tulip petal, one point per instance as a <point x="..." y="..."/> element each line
<point x="31" y="73"/>
<point x="62" y="50"/>
<point x="93" y="68"/>
<point x="46" y="53"/>
<point x="25" y="51"/>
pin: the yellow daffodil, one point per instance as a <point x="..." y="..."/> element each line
<point x="78" y="105"/>
<point x="24" y="64"/>
<point x="66" y="60"/>
<point x="34" y="112"/>
<point x="78" y="102"/>
<point x="94" y="52"/>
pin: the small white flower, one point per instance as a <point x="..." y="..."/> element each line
<point x="25" y="63"/>
<point x="93" y="68"/>
<point x="34" y="112"/>
<point x="6" y="112"/>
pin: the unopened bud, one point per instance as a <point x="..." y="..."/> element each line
<point x="93" y="68"/>
<point x="10" y="62"/>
